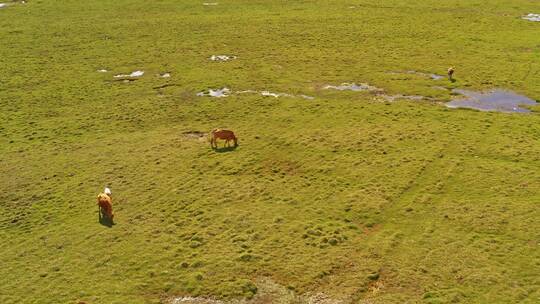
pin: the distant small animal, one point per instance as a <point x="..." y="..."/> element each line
<point x="105" y="204"/>
<point x="450" y="72"/>
<point x="227" y="135"/>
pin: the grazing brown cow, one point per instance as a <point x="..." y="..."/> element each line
<point x="222" y="134"/>
<point x="105" y="205"/>
<point x="450" y="72"/>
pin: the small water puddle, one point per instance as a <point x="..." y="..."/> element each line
<point x="2" y="5"/>
<point x="224" y="92"/>
<point x="102" y="71"/>
<point x="133" y="74"/>
<point x="222" y="57"/>
<point x="532" y="17"/>
<point x="210" y="3"/>
<point x="494" y="100"/>
<point x="165" y="75"/>
<point x="353" y="87"/>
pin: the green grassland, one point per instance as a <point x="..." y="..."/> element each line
<point x="363" y="200"/>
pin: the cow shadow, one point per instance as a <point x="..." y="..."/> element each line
<point x="104" y="220"/>
<point x="224" y="149"/>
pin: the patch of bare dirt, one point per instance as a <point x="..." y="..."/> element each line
<point x="201" y="136"/>
<point x="269" y="292"/>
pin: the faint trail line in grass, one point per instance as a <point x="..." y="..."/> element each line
<point x="428" y="174"/>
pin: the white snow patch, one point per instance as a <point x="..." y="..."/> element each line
<point x="276" y="95"/>
<point x="222" y="57"/>
<point x="272" y="94"/>
<point x="246" y="91"/>
<point x="532" y="17"/>
<point x="133" y="74"/>
<point x="225" y="92"/>
<point x="307" y="97"/>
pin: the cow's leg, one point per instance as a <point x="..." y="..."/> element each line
<point x="109" y="212"/>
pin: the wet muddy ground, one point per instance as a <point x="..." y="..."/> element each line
<point x="379" y="93"/>
<point x="268" y="292"/>
<point x="199" y="135"/>
<point x="353" y="87"/>
<point x="227" y="92"/>
<point x="392" y="98"/>
<point x="423" y="74"/>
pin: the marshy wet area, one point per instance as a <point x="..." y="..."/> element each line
<point x="275" y="95"/>
<point x="440" y="88"/>
<point x="353" y="87"/>
<point x="494" y="100"/>
<point x="224" y="92"/>
<point x="430" y="75"/>
<point x="532" y="17"/>
<point x="393" y="98"/>
<point x="378" y="92"/>
<point x="423" y="74"/>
